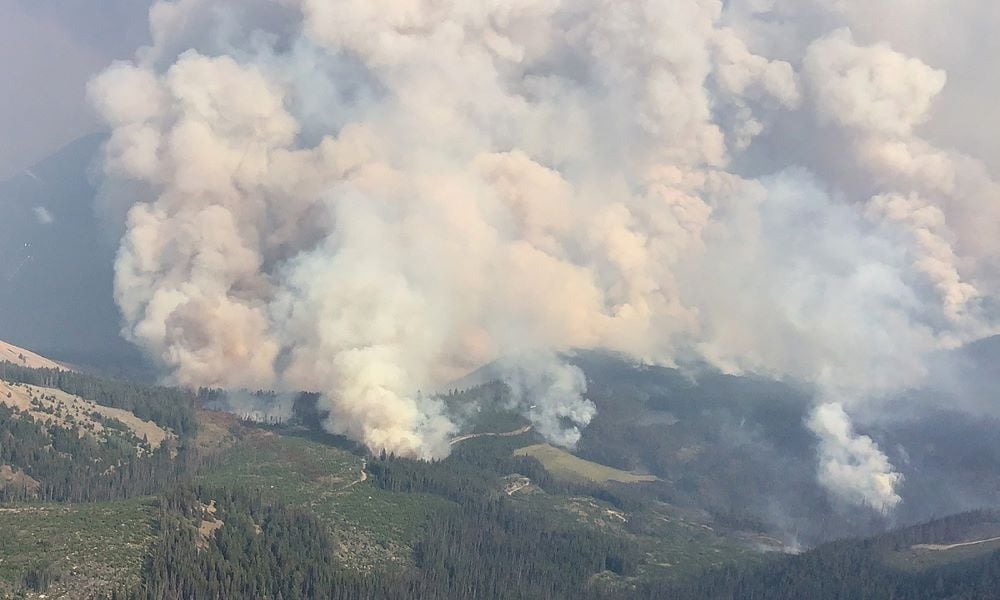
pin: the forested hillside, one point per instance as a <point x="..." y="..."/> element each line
<point x="56" y="463"/>
<point x="53" y="448"/>
<point x="226" y="508"/>
<point x="738" y="447"/>
<point x="80" y="457"/>
<point x="497" y="549"/>
<point x="955" y="558"/>
<point x="170" y="407"/>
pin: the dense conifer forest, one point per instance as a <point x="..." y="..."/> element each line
<point x="271" y="551"/>
<point x="854" y="569"/>
<point x="490" y="550"/>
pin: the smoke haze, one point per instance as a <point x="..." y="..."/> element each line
<point x="371" y="199"/>
<point x="51" y="48"/>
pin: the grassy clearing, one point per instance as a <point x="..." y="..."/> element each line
<point x="564" y="465"/>
<point x="372" y="527"/>
<point x="92" y="547"/>
<point x="215" y="431"/>
<point x="674" y="544"/>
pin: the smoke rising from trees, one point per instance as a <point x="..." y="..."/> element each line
<point x="370" y="198"/>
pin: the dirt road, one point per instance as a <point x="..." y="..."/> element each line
<point x="470" y="436"/>
<point x="952" y="546"/>
<point x="361" y="479"/>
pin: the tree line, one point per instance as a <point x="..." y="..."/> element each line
<point x="268" y="550"/>
<point x="65" y="466"/>
<point x="173" y="408"/>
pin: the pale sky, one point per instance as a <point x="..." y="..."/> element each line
<point x="48" y="51"/>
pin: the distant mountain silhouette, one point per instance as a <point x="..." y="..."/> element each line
<point x="56" y="274"/>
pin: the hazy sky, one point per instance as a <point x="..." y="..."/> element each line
<point x="48" y="51"/>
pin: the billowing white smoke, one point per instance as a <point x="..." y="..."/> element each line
<point x="851" y="465"/>
<point x="370" y="198"/>
<point x="550" y="393"/>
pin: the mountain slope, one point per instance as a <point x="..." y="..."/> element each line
<point x="953" y="558"/>
<point x="56" y="275"/>
<point x="26" y="358"/>
<point x="55" y="407"/>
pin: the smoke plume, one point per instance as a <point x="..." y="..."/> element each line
<point x="851" y="465"/>
<point x="259" y="407"/>
<point x="372" y="198"/>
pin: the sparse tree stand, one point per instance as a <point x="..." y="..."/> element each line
<point x="66" y="466"/>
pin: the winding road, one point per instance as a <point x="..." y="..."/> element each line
<point x="470" y="436"/>
<point x="361" y="479"/>
<point x="951" y="546"/>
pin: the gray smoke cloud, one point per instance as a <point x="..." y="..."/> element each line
<point x="369" y="198"/>
<point x="549" y="393"/>
<point x="259" y="407"/>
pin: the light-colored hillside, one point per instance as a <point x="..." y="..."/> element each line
<point x="58" y="408"/>
<point x="564" y="465"/>
<point x="27" y="358"/>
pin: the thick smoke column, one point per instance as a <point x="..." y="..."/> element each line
<point x="370" y="198"/>
<point x="851" y="465"/>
